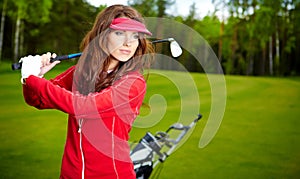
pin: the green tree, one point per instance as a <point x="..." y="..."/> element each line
<point x="69" y="22"/>
<point x="34" y="11"/>
<point x="162" y="5"/>
<point x="4" y="9"/>
<point x="287" y="36"/>
<point x="147" y="8"/>
<point x="295" y="14"/>
<point x="223" y="5"/>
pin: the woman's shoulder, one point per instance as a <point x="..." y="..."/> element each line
<point x="130" y="78"/>
<point x="134" y="75"/>
<point x="64" y="76"/>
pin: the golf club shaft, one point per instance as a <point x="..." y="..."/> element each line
<point x="162" y="40"/>
<point x="65" y="57"/>
<point x="18" y="66"/>
<point x="177" y="140"/>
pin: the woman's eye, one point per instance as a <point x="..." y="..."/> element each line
<point x="136" y="36"/>
<point x="118" y="33"/>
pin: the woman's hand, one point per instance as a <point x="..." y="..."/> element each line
<point x="31" y="65"/>
<point x="46" y="64"/>
<point x="36" y="65"/>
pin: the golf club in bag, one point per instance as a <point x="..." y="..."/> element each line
<point x="175" y="49"/>
<point x="154" y="149"/>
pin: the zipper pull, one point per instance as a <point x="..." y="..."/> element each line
<point x="79" y="125"/>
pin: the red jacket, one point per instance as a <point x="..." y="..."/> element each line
<point x="98" y="123"/>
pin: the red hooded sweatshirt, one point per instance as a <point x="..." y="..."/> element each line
<point x="98" y="124"/>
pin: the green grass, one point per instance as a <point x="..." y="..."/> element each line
<point x="259" y="136"/>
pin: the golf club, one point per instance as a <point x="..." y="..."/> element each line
<point x="154" y="149"/>
<point x="18" y="66"/>
<point x="175" y="48"/>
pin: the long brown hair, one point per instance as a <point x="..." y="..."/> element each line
<point x="91" y="70"/>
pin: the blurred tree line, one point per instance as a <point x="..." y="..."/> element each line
<point x="258" y="37"/>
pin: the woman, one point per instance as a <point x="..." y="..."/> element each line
<point x="102" y="94"/>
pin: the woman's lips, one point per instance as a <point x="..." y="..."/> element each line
<point x="127" y="52"/>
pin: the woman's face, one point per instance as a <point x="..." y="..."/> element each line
<point x="123" y="44"/>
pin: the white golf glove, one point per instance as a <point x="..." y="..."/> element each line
<point x="31" y="65"/>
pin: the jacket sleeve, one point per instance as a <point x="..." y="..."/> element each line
<point x="124" y="96"/>
<point x="63" y="80"/>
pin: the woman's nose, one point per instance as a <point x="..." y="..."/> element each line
<point x="127" y="41"/>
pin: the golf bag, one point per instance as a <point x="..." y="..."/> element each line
<point x="154" y="149"/>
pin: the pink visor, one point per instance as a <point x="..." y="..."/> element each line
<point x="122" y="23"/>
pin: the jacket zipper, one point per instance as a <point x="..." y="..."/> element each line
<point x="80" y="122"/>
